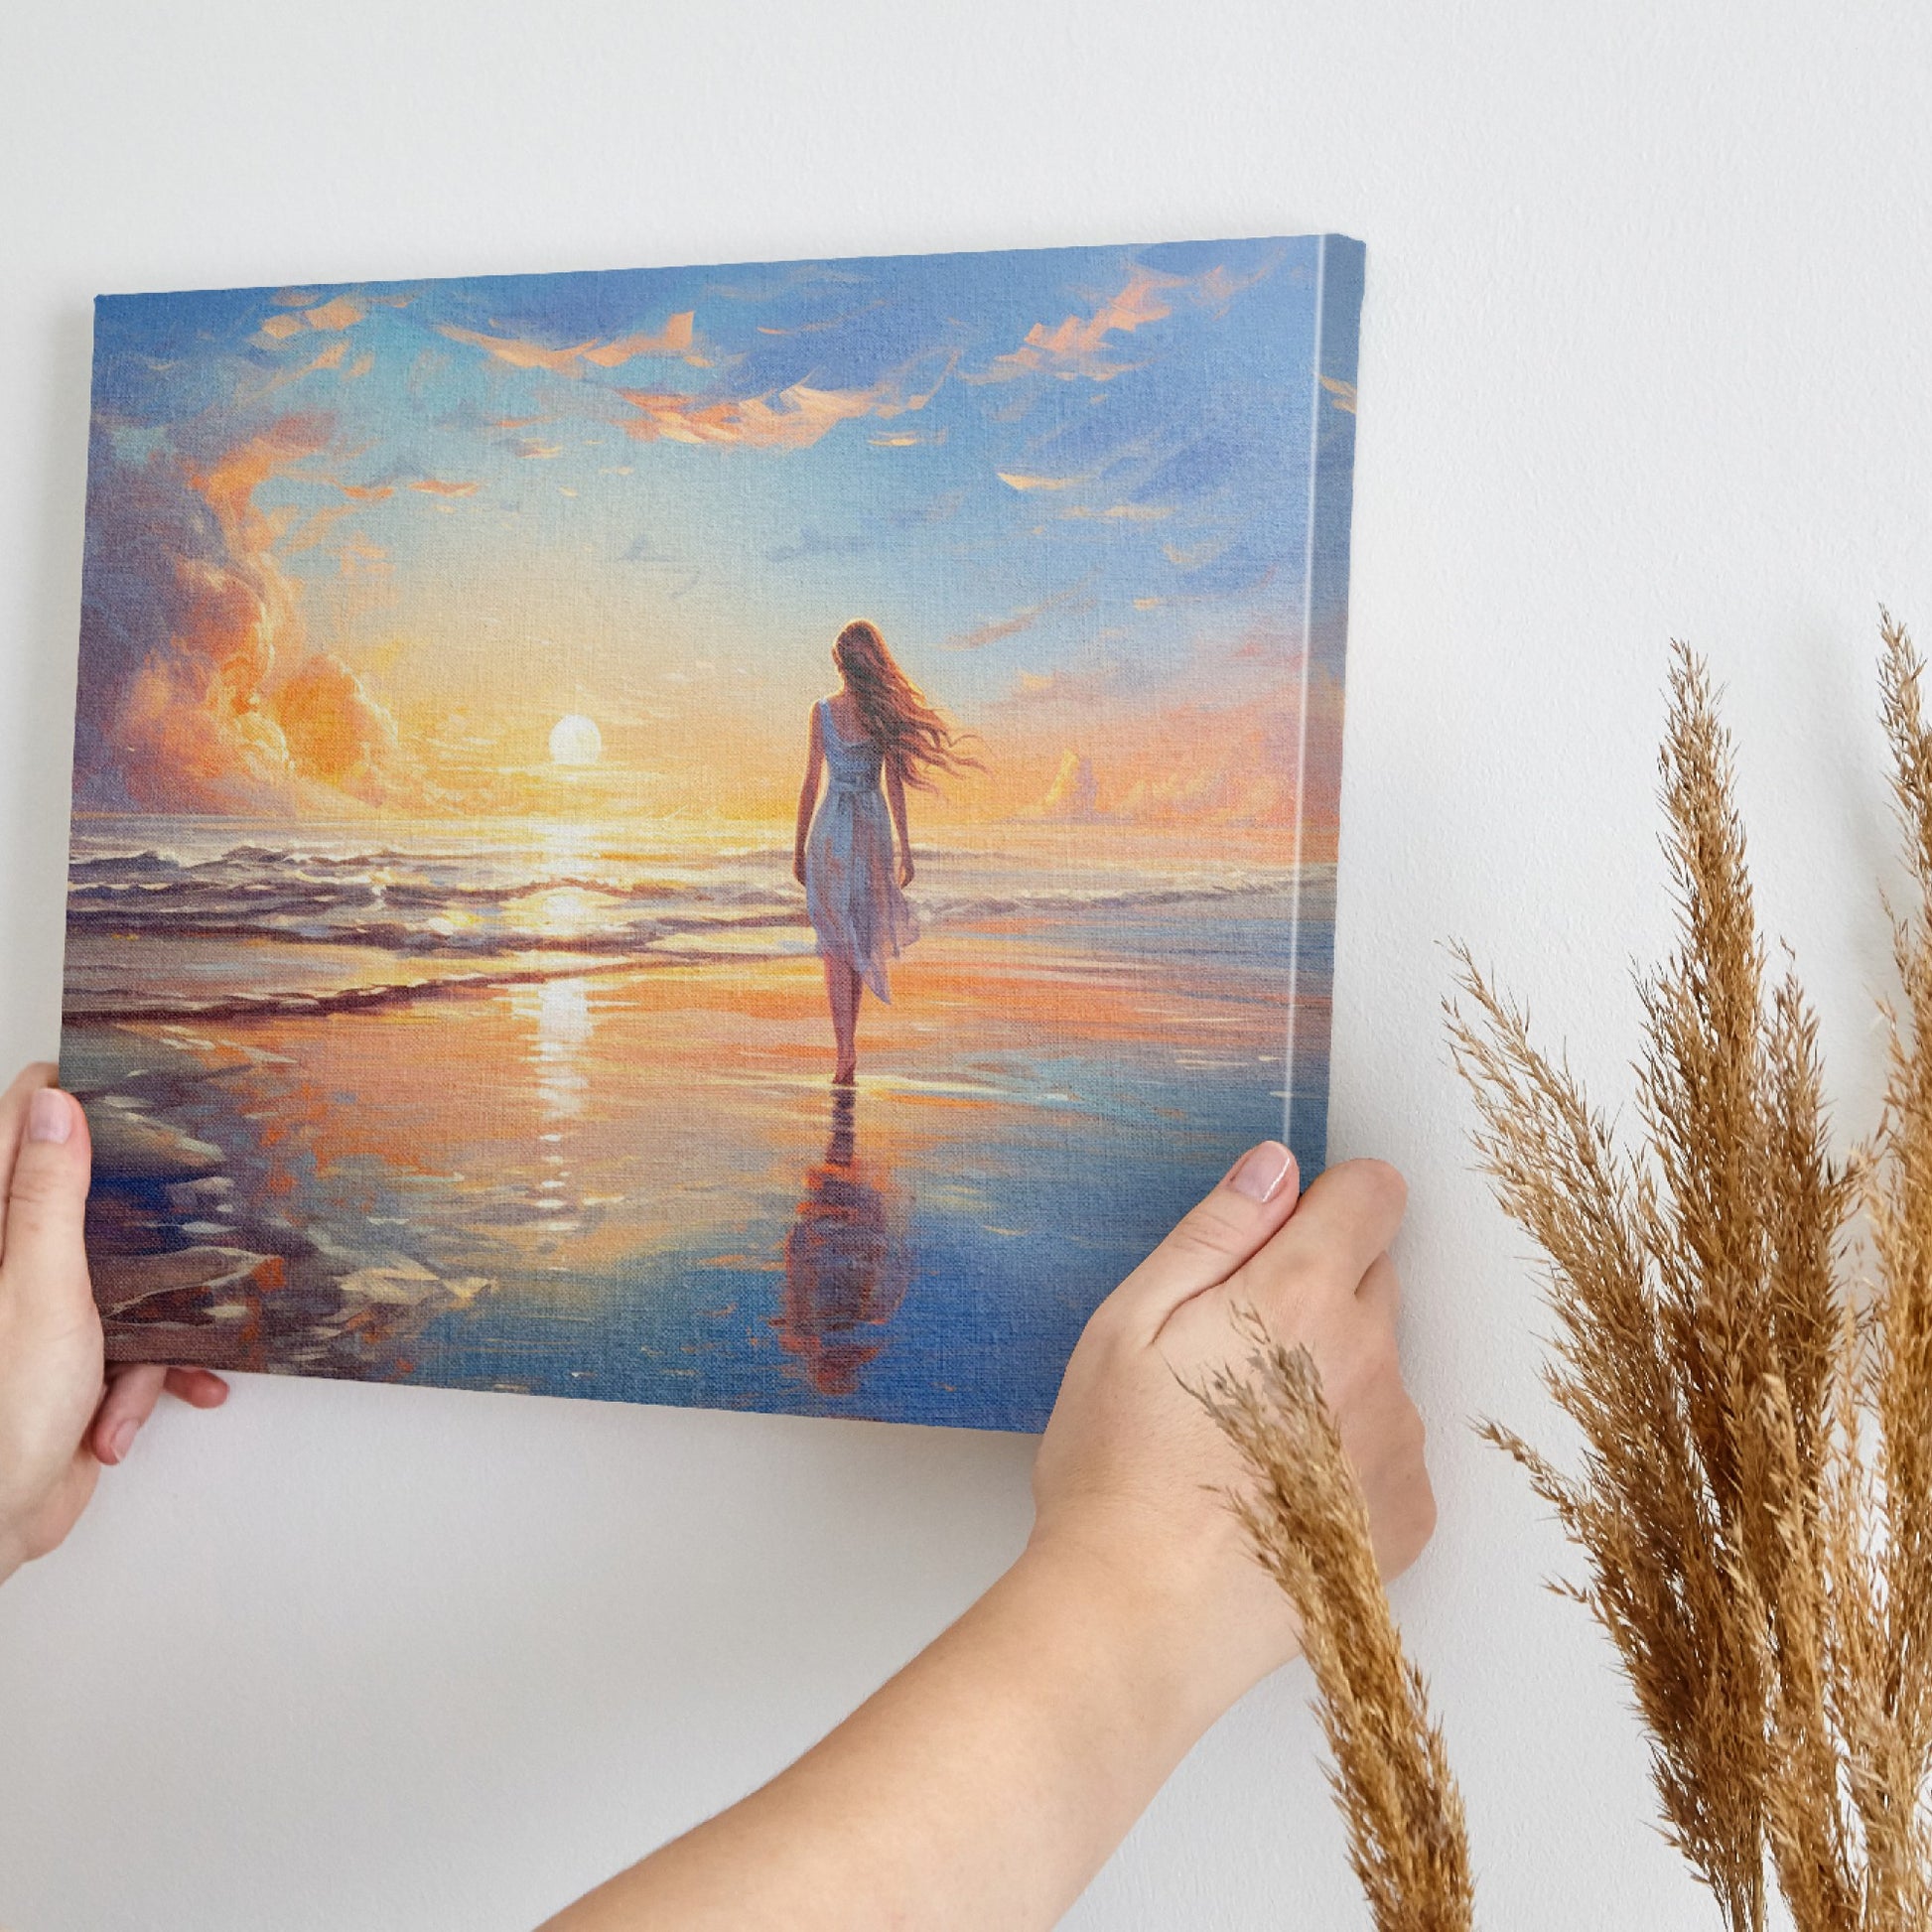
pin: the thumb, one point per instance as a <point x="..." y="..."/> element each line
<point x="1236" y="1222"/>
<point x="43" y="1264"/>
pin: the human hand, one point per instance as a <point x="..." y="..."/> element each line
<point x="63" y="1412"/>
<point x="905" y="869"/>
<point x="1041" y="1722"/>
<point x="1130" y="1477"/>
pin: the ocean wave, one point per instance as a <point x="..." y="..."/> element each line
<point x="108" y="1007"/>
<point x="430" y="937"/>
<point x="94" y="854"/>
<point x="494" y="901"/>
<point x="491" y="902"/>
<point x="137" y="880"/>
<point x="160" y="932"/>
<point x="1078" y="900"/>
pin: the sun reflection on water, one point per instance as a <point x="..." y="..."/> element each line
<point x="561" y="1011"/>
<point x="560" y="907"/>
<point x="559" y="1014"/>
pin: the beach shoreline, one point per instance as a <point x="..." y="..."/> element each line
<point x="637" y="1180"/>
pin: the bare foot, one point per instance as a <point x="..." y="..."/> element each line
<point x="847" y="1074"/>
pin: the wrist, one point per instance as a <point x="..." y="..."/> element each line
<point x="1166" y="1642"/>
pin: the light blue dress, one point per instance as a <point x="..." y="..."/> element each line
<point x="852" y="894"/>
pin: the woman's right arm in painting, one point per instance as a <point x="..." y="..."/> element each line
<point x="993" y="1776"/>
<point x="807" y="797"/>
<point x="896" y="802"/>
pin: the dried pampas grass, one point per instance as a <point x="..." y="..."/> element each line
<point x="1754" y="1391"/>
<point x="1308" y="1524"/>
<point x="1755" y="1499"/>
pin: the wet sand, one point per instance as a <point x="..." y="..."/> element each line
<point x="640" y="1183"/>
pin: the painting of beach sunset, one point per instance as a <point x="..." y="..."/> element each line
<point x="742" y="836"/>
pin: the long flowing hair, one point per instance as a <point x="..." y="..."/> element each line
<point x="912" y="734"/>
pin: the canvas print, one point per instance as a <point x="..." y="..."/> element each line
<point x="745" y="836"/>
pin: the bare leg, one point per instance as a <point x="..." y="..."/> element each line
<point x="842" y="988"/>
<point x="852" y="1050"/>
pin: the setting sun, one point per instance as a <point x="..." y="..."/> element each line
<point x="575" y="740"/>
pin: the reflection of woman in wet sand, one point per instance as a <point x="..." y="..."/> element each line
<point x="877" y="728"/>
<point x="848" y="1262"/>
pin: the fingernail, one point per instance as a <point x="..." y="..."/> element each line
<point x="49" y="1115"/>
<point x="1262" y="1170"/>
<point x="122" y="1439"/>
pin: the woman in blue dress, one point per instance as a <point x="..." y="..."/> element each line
<point x="876" y="736"/>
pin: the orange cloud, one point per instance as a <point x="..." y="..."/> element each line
<point x="1019" y="480"/>
<point x="794" y="419"/>
<point x="438" y="487"/>
<point x="340" y="311"/>
<point x="188" y="621"/>
<point x="1219" y="746"/>
<point x="1023" y="618"/>
<point x="247" y="394"/>
<point x="314" y="527"/>
<point x="229" y="483"/>
<point x="1073" y="348"/>
<point x="518" y="353"/>
<point x="189" y="725"/>
<point x="1078" y="347"/>
<point x="334" y="730"/>
<point x="1217" y="288"/>
<point x="1191" y="556"/>
<point x="674" y="338"/>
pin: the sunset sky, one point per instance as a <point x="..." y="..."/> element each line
<point x="362" y="547"/>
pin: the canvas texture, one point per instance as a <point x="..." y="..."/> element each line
<point x="745" y="836"/>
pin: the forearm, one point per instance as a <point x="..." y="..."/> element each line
<point x="989" y="1780"/>
<point x="983" y="1786"/>
<point x="895" y="798"/>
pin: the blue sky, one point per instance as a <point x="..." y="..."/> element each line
<point x="655" y="495"/>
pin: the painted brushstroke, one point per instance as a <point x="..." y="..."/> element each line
<point x="437" y="979"/>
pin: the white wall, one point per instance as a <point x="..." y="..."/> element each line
<point x="1644" y="354"/>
